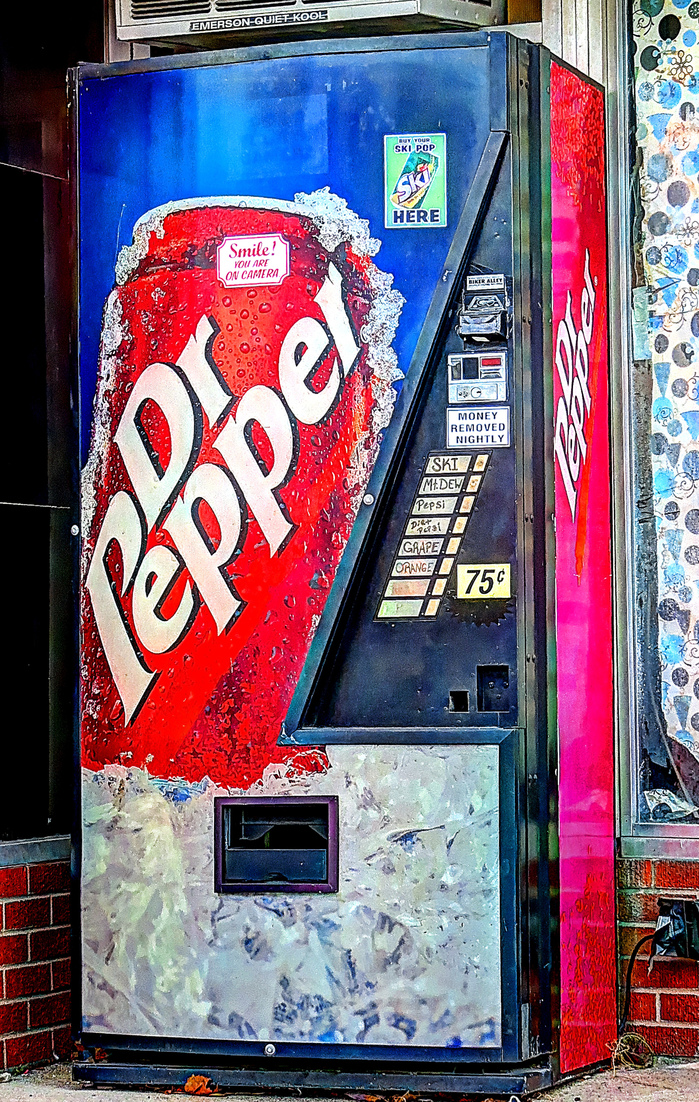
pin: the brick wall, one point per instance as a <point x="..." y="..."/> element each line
<point x="34" y="963"/>
<point x="35" y="960"/>
<point x="665" y="1002"/>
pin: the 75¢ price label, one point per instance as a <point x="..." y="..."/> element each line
<point x="475" y="581"/>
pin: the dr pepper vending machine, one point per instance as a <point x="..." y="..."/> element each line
<point x="345" y="682"/>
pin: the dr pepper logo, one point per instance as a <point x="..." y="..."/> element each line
<point x="572" y="356"/>
<point x="245" y="375"/>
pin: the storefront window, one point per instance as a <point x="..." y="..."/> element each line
<point x="665" y="429"/>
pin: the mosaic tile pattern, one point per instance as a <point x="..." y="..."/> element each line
<point x="406" y="953"/>
<point x="667" y="104"/>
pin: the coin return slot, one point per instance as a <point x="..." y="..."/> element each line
<point x="276" y="844"/>
<point x="463" y="367"/>
<point x="458" y="700"/>
<point x="493" y="688"/>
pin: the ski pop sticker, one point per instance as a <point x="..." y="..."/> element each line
<point x="415" y="180"/>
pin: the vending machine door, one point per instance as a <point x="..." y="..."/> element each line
<point x="314" y="598"/>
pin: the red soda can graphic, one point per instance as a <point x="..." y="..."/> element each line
<point x="246" y="373"/>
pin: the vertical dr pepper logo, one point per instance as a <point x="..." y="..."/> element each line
<point x="415" y="180"/>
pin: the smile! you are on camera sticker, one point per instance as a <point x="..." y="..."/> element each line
<point x="415" y="180"/>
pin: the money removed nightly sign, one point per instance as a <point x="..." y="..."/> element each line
<point x="478" y="426"/>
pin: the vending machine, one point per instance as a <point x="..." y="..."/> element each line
<point x="346" y="677"/>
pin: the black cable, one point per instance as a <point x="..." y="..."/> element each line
<point x="629" y="970"/>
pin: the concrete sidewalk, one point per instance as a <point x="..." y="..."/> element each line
<point x="667" y="1081"/>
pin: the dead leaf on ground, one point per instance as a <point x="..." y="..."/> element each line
<point x="198" y="1084"/>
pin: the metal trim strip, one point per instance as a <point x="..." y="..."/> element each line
<point x="523" y="1082"/>
<point x="427" y="41"/>
<point x="408" y="736"/>
<point x="31" y="851"/>
<point x="392" y="1057"/>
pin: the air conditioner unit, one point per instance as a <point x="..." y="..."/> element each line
<point x="210" y="24"/>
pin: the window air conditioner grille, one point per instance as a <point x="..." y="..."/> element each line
<point x="155" y="9"/>
<point x="247" y="5"/>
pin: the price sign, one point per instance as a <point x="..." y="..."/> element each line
<point x="477" y="581"/>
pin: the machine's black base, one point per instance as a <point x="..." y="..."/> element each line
<point x="519" y="1083"/>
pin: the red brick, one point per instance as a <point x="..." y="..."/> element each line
<point x="60" y="910"/>
<point x="13" y="1017"/>
<point x="27" y="912"/>
<point x="55" y="1010"/>
<point x="63" y="1042"/>
<point x="629" y="936"/>
<point x="671" y="973"/>
<point x="31" y="1049"/>
<point x="13" y="881"/>
<point x="677" y="874"/>
<point x="61" y="974"/>
<point x="679" y="1008"/>
<point x="46" y="944"/>
<point x="633" y="873"/>
<point x="642" y="1008"/>
<point x="14" y="949"/>
<point x="33" y="979"/>
<point x="637" y="906"/>
<point x="666" y="1041"/>
<point x="53" y="877"/>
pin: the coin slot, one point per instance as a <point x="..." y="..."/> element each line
<point x="458" y="700"/>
